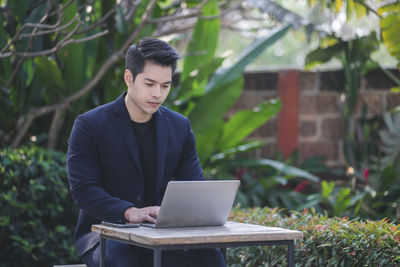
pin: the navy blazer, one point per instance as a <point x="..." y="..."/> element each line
<point x="104" y="169"/>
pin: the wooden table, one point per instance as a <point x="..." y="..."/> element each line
<point x="232" y="234"/>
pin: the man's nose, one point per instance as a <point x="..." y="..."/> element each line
<point x="157" y="91"/>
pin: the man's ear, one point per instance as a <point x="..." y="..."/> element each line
<point x="128" y="78"/>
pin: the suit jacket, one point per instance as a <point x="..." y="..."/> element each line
<point x="104" y="169"/>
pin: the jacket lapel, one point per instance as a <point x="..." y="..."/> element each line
<point x="124" y="125"/>
<point x="162" y="142"/>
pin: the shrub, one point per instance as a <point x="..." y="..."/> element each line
<point x="327" y="241"/>
<point x="37" y="213"/>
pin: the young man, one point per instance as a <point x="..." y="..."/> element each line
<point x="121" y="156"/>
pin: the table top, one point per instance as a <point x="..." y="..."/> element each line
<point x="231" y="232"/>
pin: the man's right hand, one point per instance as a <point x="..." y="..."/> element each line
<point x="147" y="214"/>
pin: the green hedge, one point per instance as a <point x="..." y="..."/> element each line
<point x="326" y="242"/>
<point x="37" y="213"/>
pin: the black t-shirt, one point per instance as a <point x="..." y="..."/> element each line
<point x="146" y="143"/>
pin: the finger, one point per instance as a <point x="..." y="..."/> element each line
<point x="153" y="214"/>
<point x="150" y="219"/>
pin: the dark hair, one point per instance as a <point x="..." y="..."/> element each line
<point x="150" y="49"/>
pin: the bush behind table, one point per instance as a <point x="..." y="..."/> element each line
<point x="327" y="241"/>
<point x="38" y="217"/>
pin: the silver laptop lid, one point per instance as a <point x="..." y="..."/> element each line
<point x="197" y="203"/>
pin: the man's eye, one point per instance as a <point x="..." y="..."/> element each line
<point x="149" y="84"/>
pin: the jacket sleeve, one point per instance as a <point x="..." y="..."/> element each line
<point x="84" y="175"/>
<point x="189" y="167"/>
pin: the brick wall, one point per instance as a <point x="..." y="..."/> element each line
<point x="311" y="120"/>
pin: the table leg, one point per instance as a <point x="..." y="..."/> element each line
<point x="290" y="253"/>
<point x="224" y="254"/>
<point x="157" y="257"/>
<point x="103" y="252"/>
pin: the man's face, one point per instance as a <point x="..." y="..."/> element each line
<point x="148" y="91"/>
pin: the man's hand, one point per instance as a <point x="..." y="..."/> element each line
<point x="147" y="214"/>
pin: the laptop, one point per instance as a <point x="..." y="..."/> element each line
<point x="196" y="203"/>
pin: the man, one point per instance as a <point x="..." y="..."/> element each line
<point x="121" y="156"/>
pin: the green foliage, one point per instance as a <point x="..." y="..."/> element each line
<point x="390" y="28"/>
<point x="384" y="171"/>
<point x="245" y="122"/>
<point x="206" y="92"/>
<point x="205" y="97"/>
<point x="263" y="181"/>
<point x="364" y="194"/>
<point x="390" y="138"/>
<point x="373" y="190"/>
<point x="202" y="46"/>
<point x="356" y="62"/>
<point x="207" y="116"/>
<point x="335" y="201"/>
<point x="37" y="216"/>
<point x="37" y="81"/>
<point x="326" y="242"/>
<point x="250" y="53"/>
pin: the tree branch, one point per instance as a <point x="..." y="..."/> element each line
<point x="59" y="46"/>
<point x="175" y="17"/>
<point x="99" y="22"/>
<point x="25" y="121"/>
<point x="53" y="30"/>
<point x="29" y="47"/>
<point x="56" y="123"/>
<point x="36" y="26"/>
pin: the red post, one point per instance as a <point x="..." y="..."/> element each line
<point x="288" y="91"/>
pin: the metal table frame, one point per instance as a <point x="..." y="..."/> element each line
<point x="158" y="249"/>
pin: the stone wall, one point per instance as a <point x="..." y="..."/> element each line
<point x="311" y="119"/>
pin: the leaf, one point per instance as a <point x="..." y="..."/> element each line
<point x="358" y="197"/>
<point x="245" y="122"/>
<point x="50" y="77"/>
<point x="390" y="138"/>
<point x="34" y="16"/>
<point x="19" y="8"/>
<point x="207" y="117"/>
<point x="322" y="55"/>
<point x="202" y="46"/>
<point x="29" y="71"/>
<point x="327" y="188"/>
<point x="187" y="88"/>
<point x="360" y="10"/>
<point x="388" y="178"/>
<point x="277" y="165"/>
<point x="120" y="20"/>
<point x="343" y="201"/>
<point x="73" y="57"/>
<point x="308" y="204"/>
<point x="5" y="67"/>
<point x="247" y="146"/>
<point x="206" y="142"/>
<point x="211" y="108"/>
<point x="338" y="6"/>
<point x="250" y="53"/>
<point x="395" y="90"/>
<point x="390" y="27"/>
